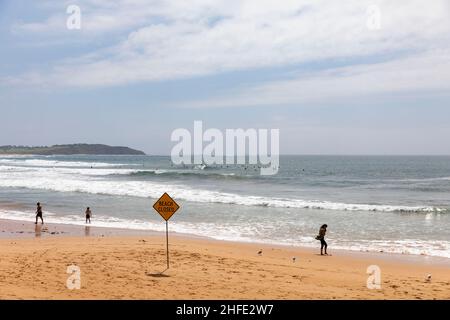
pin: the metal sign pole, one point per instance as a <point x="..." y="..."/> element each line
<point x="167" y="242"/>
<point x="166" y="207"/>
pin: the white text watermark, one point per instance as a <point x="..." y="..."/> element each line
<point x="74" y="280"/>
<point x="73" y="22"/>
<point x="374" y="279"/>
<point x="234" y="146"/>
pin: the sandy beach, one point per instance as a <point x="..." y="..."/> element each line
<point x="124" y="264"/>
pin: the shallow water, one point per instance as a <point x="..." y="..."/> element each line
<point x="390" y="204"/>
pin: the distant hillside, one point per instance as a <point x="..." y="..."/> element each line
<point x="70" y="149"/>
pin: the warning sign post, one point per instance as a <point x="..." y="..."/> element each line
<point x="166" y="207"/>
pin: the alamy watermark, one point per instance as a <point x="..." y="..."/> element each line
<point x="373" y="21"/>
<point x="374" y="279"/>
<point x="73" y="22"/>
<point x="235" y="146"/>
<point x="74" y="280"/>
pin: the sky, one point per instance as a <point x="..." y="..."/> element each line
<point x="336" y="77"/>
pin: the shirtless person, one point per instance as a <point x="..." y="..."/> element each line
<point x="88" y="215"/>
<point x="39" y="213"/>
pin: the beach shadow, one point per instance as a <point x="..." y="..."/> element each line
<point x="158" y="274"/>
<point x="38" y="230"/>
<point x="87" y="231"/>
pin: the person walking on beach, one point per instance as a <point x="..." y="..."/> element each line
<point x="321" y="237"/>
<point x="39" y="213"/>
<point x="88" y="215"/>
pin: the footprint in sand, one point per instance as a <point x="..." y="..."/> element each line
<point x="394" y="286"/>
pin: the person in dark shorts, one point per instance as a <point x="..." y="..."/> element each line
<point x="88" y="215"/>
<point x="39" y="213"/>
<point x="321" y="237"/>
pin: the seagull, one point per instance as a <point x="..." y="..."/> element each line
<point x="260" y="252"/>
<point x="428" y="279"/>
<point x="294" y="259"/>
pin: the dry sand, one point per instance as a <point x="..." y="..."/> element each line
<point x="118" y="265"/>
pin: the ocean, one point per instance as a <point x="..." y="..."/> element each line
<point x="398" y="204"/>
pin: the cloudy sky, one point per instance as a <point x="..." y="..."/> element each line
<point x="336" y="77"/>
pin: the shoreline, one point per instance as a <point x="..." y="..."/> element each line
<point x="119" y="264"/>
<point x="19" y="229"/>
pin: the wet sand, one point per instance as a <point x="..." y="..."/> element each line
<point x="126" y="264"/>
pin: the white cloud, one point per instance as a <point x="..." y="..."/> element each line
<point x="427" y="72"/>
<point x="183" y="39"/>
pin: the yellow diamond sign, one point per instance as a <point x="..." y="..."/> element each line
<point x="166" y="206"/>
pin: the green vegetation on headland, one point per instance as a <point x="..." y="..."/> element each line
<point x="70" y="149"/>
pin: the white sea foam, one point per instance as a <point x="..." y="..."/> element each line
<point x="80" y="177"/>
<point x="244" y="233"/>
<point x="70" y="171"/>
<point x="57" y="180"/>
<point x="55" y="163"/>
